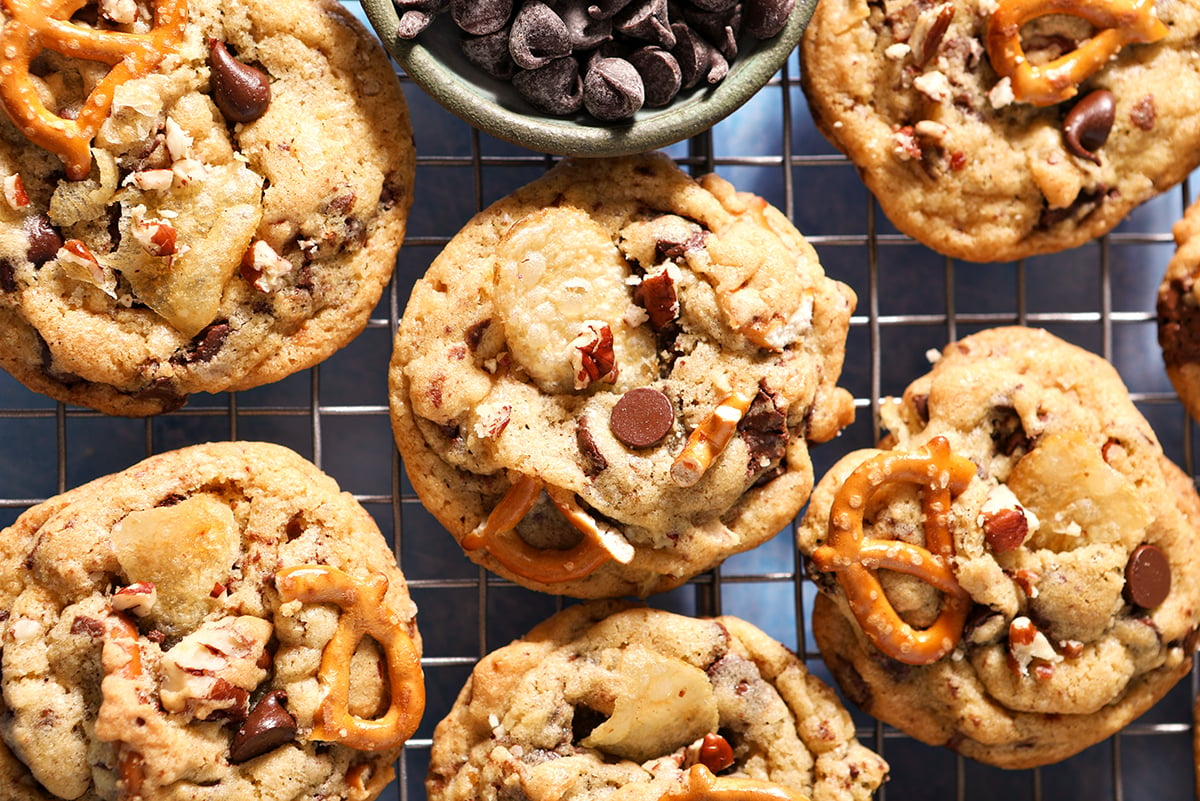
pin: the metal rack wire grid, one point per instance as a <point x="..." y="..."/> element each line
<point x="911" y="300"/>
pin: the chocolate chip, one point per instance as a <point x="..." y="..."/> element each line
<point x="642" y="417"/>
<point x="765" y="18"/>
<point x="1088" y="123"/>
<point x="692" y="53"/>
<point x="8" y="278"/>
<point x="538" y="36"/>
<point x="1087" y="201"/>
<point x="647" y="20"/>
<point x="267" y="727"/>
<point x="555" y="88"/>
<point x="764" y="429"/>
<point x="585" y="31"/>
<point x="481" y="16"/>
<point x="1178" y="324"/>
<point x="719" y="28"/>
<point x="593" y="460"/>
<point x="241" y="92"/>
<point x="205" y="345"/>
<point x="660" y="73"/>
<point x="412" y="22"/>
<point x="1147" y="576"/>
<point x="613" y="89"/>
<point x="44" y="241"/>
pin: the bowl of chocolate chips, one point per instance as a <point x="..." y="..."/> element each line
<point x="590" y="77"/>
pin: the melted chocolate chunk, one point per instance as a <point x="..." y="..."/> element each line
<point x="764" y="429"/>
<point x="44" y="240"/>
<point x="268" y="726"/>
<point x="8" y="281"/>
<point x="593" y="460"/>
<point x="1179" y="323"/>
<point x="241" y="92"/>
<point x="1087" y="201"/>
<point x="1088" y="123"/>
<point x="205" y="346"/>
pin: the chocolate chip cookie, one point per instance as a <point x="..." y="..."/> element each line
<point x="605" y="699"/>
<point x="216" y="212"/>
<point x="992" y="130"/>
<point x="1179" y="312"/>
<point x="193" y="622"/>
<point x="1013" y="573"/>
<point x="608" y="381"/>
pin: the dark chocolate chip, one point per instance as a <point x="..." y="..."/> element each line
<point x="267" y="727"/>
<point x="765" y="18"/>
<point x="720" y="28"/>
<point x="1087" y="201"/>
<point x="764" y="429"/>
<point x="44" y="241"/>
<point x="205" y="345"/>
<point x="1088" y="123"/>
<point x="606" y="9"/>
<point x="692" y="53"/>
<point x="241" y="92"/>
<point x="660" y="73"/>
<point x="538" y="36"/>
<point x="8" y="278"/>
<point x="586" y="32"/>
<point x="412" y="22"/>
<point x="642" y="417"/>
<point x="613" y="90"/>
<point x="647" y="20"/>
<point x="555" y="88"/>
<point x="1147" y="576"/>
<point x="481" y="16"/>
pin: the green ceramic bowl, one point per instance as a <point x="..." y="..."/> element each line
<point x="436" y="63"/>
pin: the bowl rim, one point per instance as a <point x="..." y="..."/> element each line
<point x="689" y="114"/>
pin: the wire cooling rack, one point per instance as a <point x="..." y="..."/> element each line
<point x="911" y="300"/>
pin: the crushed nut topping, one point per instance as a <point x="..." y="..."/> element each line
<point x="592" y="355"/>
<point x="1026" y="643"/>
<point x="14" y="192"/>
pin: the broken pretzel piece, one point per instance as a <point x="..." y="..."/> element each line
<point x="121" y="658"/>
<point x="709" y="439"/>
<point x="36" y="26"/>
<point x="854" y="559"/>
<point x="699" y="784"/>
<point x="363" y="614"/>
<point x="498" y="536"/>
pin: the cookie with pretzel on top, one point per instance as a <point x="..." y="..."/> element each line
<point x="994" y="130"/>
<point x="1012" y="573"/>
<point x="197" y="196"/>
<point x="189" y="627"/>
<point x="609" y="699"/>
<point x="608" y="381"/>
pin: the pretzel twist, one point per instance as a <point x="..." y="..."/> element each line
<point x="1123" y="22"/>
<point x="498" y="536"/>
<point x="363" y="613"/>
<point x="700" y="784"/>
<point x="943" y="475"/>
<point x="709" y="438"/>
<point x="122" y="658"/>
<point x="34" y="27"/>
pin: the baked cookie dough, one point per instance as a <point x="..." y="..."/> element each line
<point x="608" y="381"/>
<point x="1179" y="312"/>
<point x="973" y="161"/>
<point x="607" y="700"/>
<point x="233" y="219"/>
<point x="187" y="629"/>
<point x="1020" y="553"/>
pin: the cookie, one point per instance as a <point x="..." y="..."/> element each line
<point x="1013" y="574"/>
<point x="1178" y="310"/>
<point x="607" y="382"/>
<point x="607" y="699"/>
<point x="219" y="211"/>
<point x="986" y="144"/>
<point x="188" y="628"/>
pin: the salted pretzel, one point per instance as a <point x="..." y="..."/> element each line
<point x="121" y="659"/>
<point x="45" y="25"/>
<point x="699" y="783"/>
<point x="709" y="438"/>
<point x="550" y="566"/>
<point x="854" y="558"/>
<point x="363" y="613"/>
<point x="1123" y="22"/>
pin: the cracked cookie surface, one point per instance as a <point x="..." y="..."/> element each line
<point x="619" y="350"/>
<point x="1074" y="542"/>
<point x="606" y="700"/>
<point x="908" y="92"/>
<point x="223" y="239"/>
<point x="148" y="652"/>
